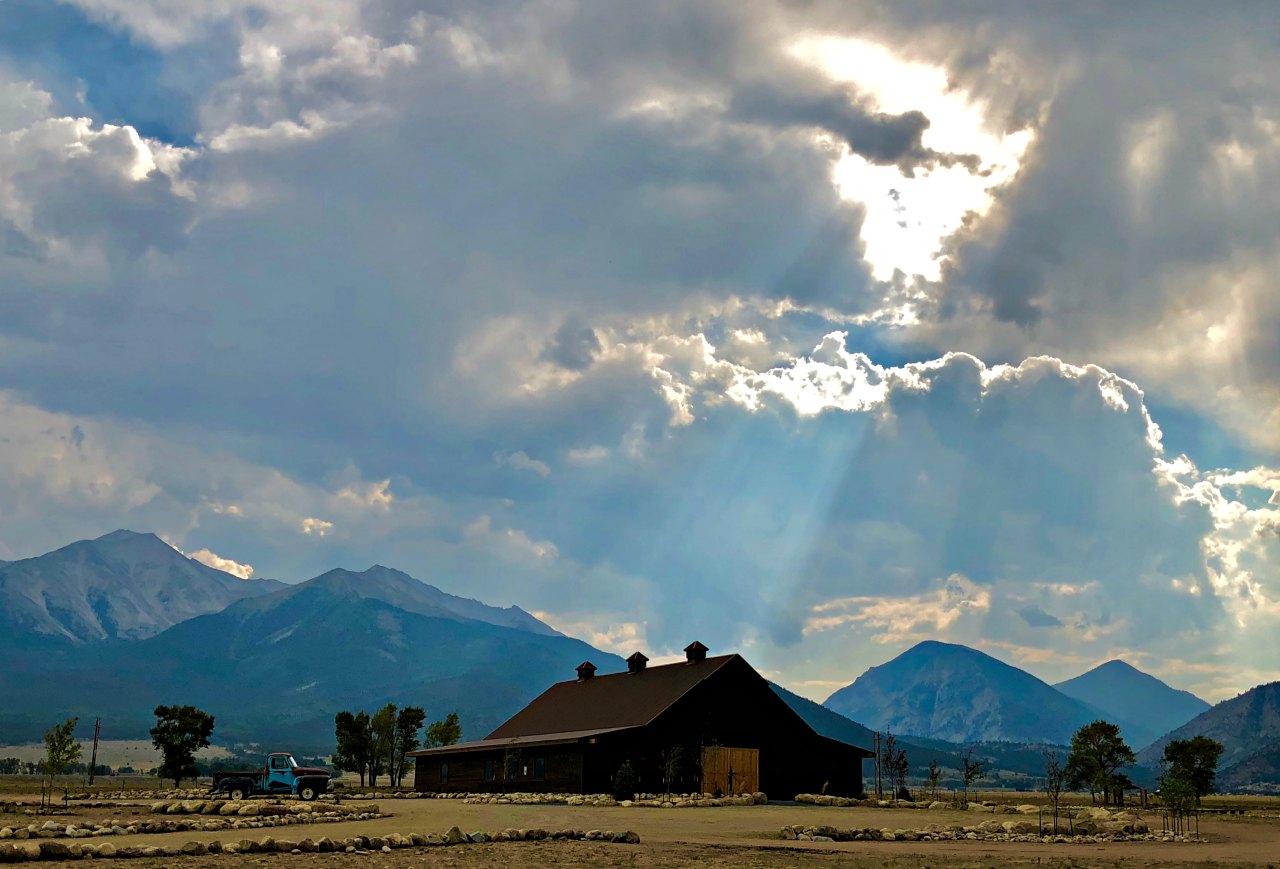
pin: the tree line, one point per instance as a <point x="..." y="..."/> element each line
<point x="1095" y="762"/>
<point x="371" y="745"/>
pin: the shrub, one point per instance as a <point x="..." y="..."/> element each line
<point x="624" y="782"/>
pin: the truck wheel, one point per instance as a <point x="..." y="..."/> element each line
<point x="308" y="791"/>
<point x="238" y="792"/>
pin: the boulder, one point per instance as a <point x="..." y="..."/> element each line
<point x="455" y="836"/>
<point x="55" y="851"/>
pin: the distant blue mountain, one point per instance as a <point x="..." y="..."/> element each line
<point x="1248" y="726"/>
<point x="954" y="693"/>
<point x="1126" y="694"/>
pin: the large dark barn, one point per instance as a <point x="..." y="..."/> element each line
<point x="710" y="725"/>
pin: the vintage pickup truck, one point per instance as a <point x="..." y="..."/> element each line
<point x="280" y="776"/>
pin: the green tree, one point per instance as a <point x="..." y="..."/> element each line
<point x="445" y="732"/>
<point x="1097" y="753"/>
<point x="408" y="723"/>
<point x="1177" y="794"/>
<point x="61" y="750"/>
<point x="624" y="782"/>
<point x="896" y="764"/>
<point x="1055" y="776"/>
<point x="383" y="730"/>
<point x="935" y="773"/>
<point x="179" y="733"/>
<point x="354" y="743"/>
<point x="1194" y="760"/>
<point x="971" y="769"/>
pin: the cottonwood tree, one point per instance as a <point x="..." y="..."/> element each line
<point x="895" y="764"/>
<point x="405" y="739"/>
<point x="1097" y="753"/>
<point x="354" y="735"/>
<point x="971" y="769"/>
<point x="935" y="773"/>
<point x="1194" y="760"/>
<point x="61" y="750"/>
<point x="899" y="767"/>
<point x="1177" y="794"/>
<point x="179" y="733"/>
<point x="445" y="732"/>
<point x="383" y="728"/>
<point x="1054" y="778"/>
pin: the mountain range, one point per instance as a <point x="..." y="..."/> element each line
<point x="270" y="666"/>
<point x="950" y="692"/>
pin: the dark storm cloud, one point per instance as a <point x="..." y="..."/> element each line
<point x="895" y="140"/>
<point x="574" y="346"/>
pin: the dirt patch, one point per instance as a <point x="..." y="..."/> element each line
<point x="737" y="836"/>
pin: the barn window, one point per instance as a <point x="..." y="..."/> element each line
<point x="444" y="773"/>
<point x="488" y="770"/>
<point x="539" y="768"/>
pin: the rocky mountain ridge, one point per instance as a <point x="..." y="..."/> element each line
<point x="123" y="585"/>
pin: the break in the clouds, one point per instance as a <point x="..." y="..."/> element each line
<point x="808" y="330"/>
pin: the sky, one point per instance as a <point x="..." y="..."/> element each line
<point x="809" y="330"/>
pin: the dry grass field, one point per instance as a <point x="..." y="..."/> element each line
<point x="137" y="753"/>
<point x="736" y="836"/>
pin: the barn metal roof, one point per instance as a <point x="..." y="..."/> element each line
<point x="562" y="738"/>
<point x="611" y="702"/>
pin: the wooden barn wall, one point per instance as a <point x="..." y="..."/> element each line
<point x="562" y="772"/>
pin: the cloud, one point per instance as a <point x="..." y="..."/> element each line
<point x="663" y="250"/>
<point x="317" y="527"/>
<point x="509" y="543"/>
<point x="905" y="619"/>
<point x="217" y="562"/>
<point x="521" y="462"/>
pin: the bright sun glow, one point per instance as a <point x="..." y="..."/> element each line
<point x="908" y="218"/>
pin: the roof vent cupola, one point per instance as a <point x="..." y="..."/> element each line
<point x="586" y="670"/>
<point x="695" y="653"/>
<point x="635" y="664"/>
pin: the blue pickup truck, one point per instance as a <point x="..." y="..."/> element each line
<point x="281" y="776"/>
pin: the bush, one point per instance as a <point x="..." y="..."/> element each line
<point x="624" y="782"/>
<point x="904" y="794"/>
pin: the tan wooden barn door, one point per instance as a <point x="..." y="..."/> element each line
<point x="730" y="770"/>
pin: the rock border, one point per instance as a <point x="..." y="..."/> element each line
<point x="989" y="831"/>
<point x="23" y="852"/>
<point x="225" y="815"/>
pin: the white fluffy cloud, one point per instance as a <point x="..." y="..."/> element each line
<point x="216" y="561"/>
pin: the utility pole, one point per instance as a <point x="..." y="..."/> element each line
<point x="93" y="762"/>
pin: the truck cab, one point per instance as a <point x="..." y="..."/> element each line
<point x="280" y="778"/>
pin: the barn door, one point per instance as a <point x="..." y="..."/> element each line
<point x="730" y="771"/>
